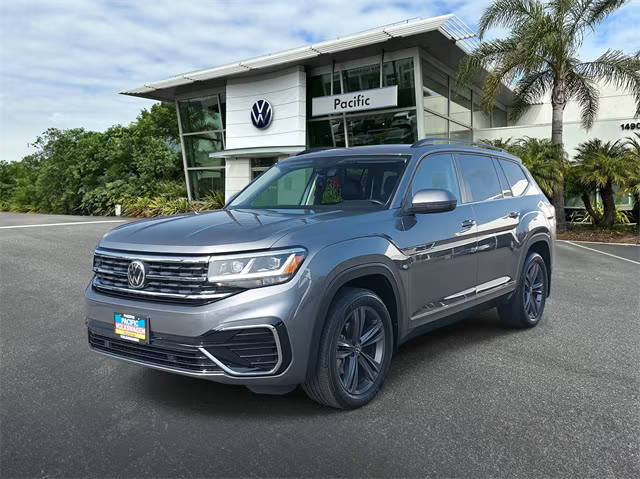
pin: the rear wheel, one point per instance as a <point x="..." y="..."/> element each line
<point x="355" y="351"/>
<point x="525" y="308"/>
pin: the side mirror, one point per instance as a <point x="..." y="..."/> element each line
<point x="432" y="201"/>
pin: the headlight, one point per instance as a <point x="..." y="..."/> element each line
<point x="253" y="270"/>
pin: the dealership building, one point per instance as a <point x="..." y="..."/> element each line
<point x="392" y="84"/>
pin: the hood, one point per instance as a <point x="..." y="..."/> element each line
<point x="221" y="231"/>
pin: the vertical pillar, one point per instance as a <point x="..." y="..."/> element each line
<point x="237" y="175"/>
<point x="184" y="153"/>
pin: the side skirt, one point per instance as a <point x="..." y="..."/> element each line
<point x="454" y="318"/>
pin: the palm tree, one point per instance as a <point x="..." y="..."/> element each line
<point x="539" y="56"/>
<point x="539" y="156"/>
<point x="603" y="165"/>
<point x="633" y="144"/>
<point x="508" y="145"/>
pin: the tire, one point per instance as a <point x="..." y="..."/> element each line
<point x="349" y="372"/>
<point x="526" y="306"/>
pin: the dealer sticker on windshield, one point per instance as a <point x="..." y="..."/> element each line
<point x="128" y="326"/>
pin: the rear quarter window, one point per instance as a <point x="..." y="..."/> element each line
<point x="516" y="177"/>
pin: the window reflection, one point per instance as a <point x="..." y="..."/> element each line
<point x="435" y="89"/>
<point x="381" y="128"/>
<point x="260" y="165"/>
<point x="461" y="106"/>
<point x="198" y="147"/>
<point x="460" y="132"/>
<point x="435" y="126"/>
<point x="361" y="78"/>
<point x="326" y="133"/>
<point x="400" y="72"/>
<point x="206" y="182"/>
<point x="499" y="117"/>
<point x="200" y="114"/>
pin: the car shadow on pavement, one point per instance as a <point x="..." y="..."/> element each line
<point x="214" y="399"/>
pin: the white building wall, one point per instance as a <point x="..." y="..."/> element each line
<point x="237" y="175"/>
<point x="286" y="92"/>
<point x="615" y="108"/>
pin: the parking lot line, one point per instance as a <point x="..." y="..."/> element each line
<point x="601" y="252"/>
<point x="604" y="242"/>
<point x="62" y="224"/>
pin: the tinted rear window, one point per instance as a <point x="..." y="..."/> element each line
<point x="479" y="178"/>
<point x="517" y="179"/>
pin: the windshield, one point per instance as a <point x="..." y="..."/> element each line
<point x="326" y="182"/>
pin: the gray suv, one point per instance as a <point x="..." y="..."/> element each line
<point x="323" y="266"/>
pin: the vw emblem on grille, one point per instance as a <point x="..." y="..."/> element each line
<point x="261" y="114"/>
<point x="136" y="274"/>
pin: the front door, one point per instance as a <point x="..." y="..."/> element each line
<point x="443" y="269"/>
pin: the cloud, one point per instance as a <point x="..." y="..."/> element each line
<point x="63" y="62"/>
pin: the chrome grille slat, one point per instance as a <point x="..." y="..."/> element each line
<point x="168" y="278"/>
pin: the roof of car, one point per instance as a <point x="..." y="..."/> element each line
<point x="416" y="149"/>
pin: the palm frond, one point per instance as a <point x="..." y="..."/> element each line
<point x="487" y="54"/>
<point x="617" y="68"/>
<point x="600" y="163"/>
<point x="507" y="13"/>
<point x="528" y="90"/>
<point x="601" y="9"/>
<point x="584" y="91"/>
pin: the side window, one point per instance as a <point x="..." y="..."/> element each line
<point x="479" y="178"/>
<point x="436" y="171"/>
<point x="506" y="189"/>
<point x="517" y="179"/>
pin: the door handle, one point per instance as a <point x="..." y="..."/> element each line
<point x="514" y="214"/>
<point x="466" y="224"/>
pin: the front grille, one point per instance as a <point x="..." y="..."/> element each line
<point x="168" y="278"/>
<point x="184" y="358"/>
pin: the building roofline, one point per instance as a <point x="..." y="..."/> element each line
<point x="448" y="25"/>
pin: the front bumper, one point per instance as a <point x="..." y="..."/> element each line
<point x="216" y="341"/>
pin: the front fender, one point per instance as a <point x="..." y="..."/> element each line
<point x="345" y="261"/>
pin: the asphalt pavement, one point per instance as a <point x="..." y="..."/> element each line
<point x="472" y="400"/>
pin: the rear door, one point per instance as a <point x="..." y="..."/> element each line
<point x="441" y="245"/>
<point x="496" y="216"/>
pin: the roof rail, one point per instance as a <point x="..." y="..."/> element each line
<point x="313" y="150"/>
<point x="453" y="141"/>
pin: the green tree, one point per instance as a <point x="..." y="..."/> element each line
<point x="539" y="56"/>
<point x="603" y="165"/>
<point x="539" y="156"/>
<point x="633" y="144"/>
<point x="79" y="171"/>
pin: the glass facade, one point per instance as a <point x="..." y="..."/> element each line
<point x="206" y="182"/>
<point x="198" y="147"/>
<point x="202" y="122"/>
<point x="379" y="128"/>
<point x="260" y="165"/>
<point x="390" y="125"/>
<point x="445" y="112"/>
<point x="450" y="112"/>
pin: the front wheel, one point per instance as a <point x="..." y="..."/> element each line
<point x="524" y="309"/>
<point x="355" y="351"/>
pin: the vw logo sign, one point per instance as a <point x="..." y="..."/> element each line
<point x="261" y="114"/>
<point x="136" y="274"/>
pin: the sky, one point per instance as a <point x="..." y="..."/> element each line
<point x="62" y="62"/>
